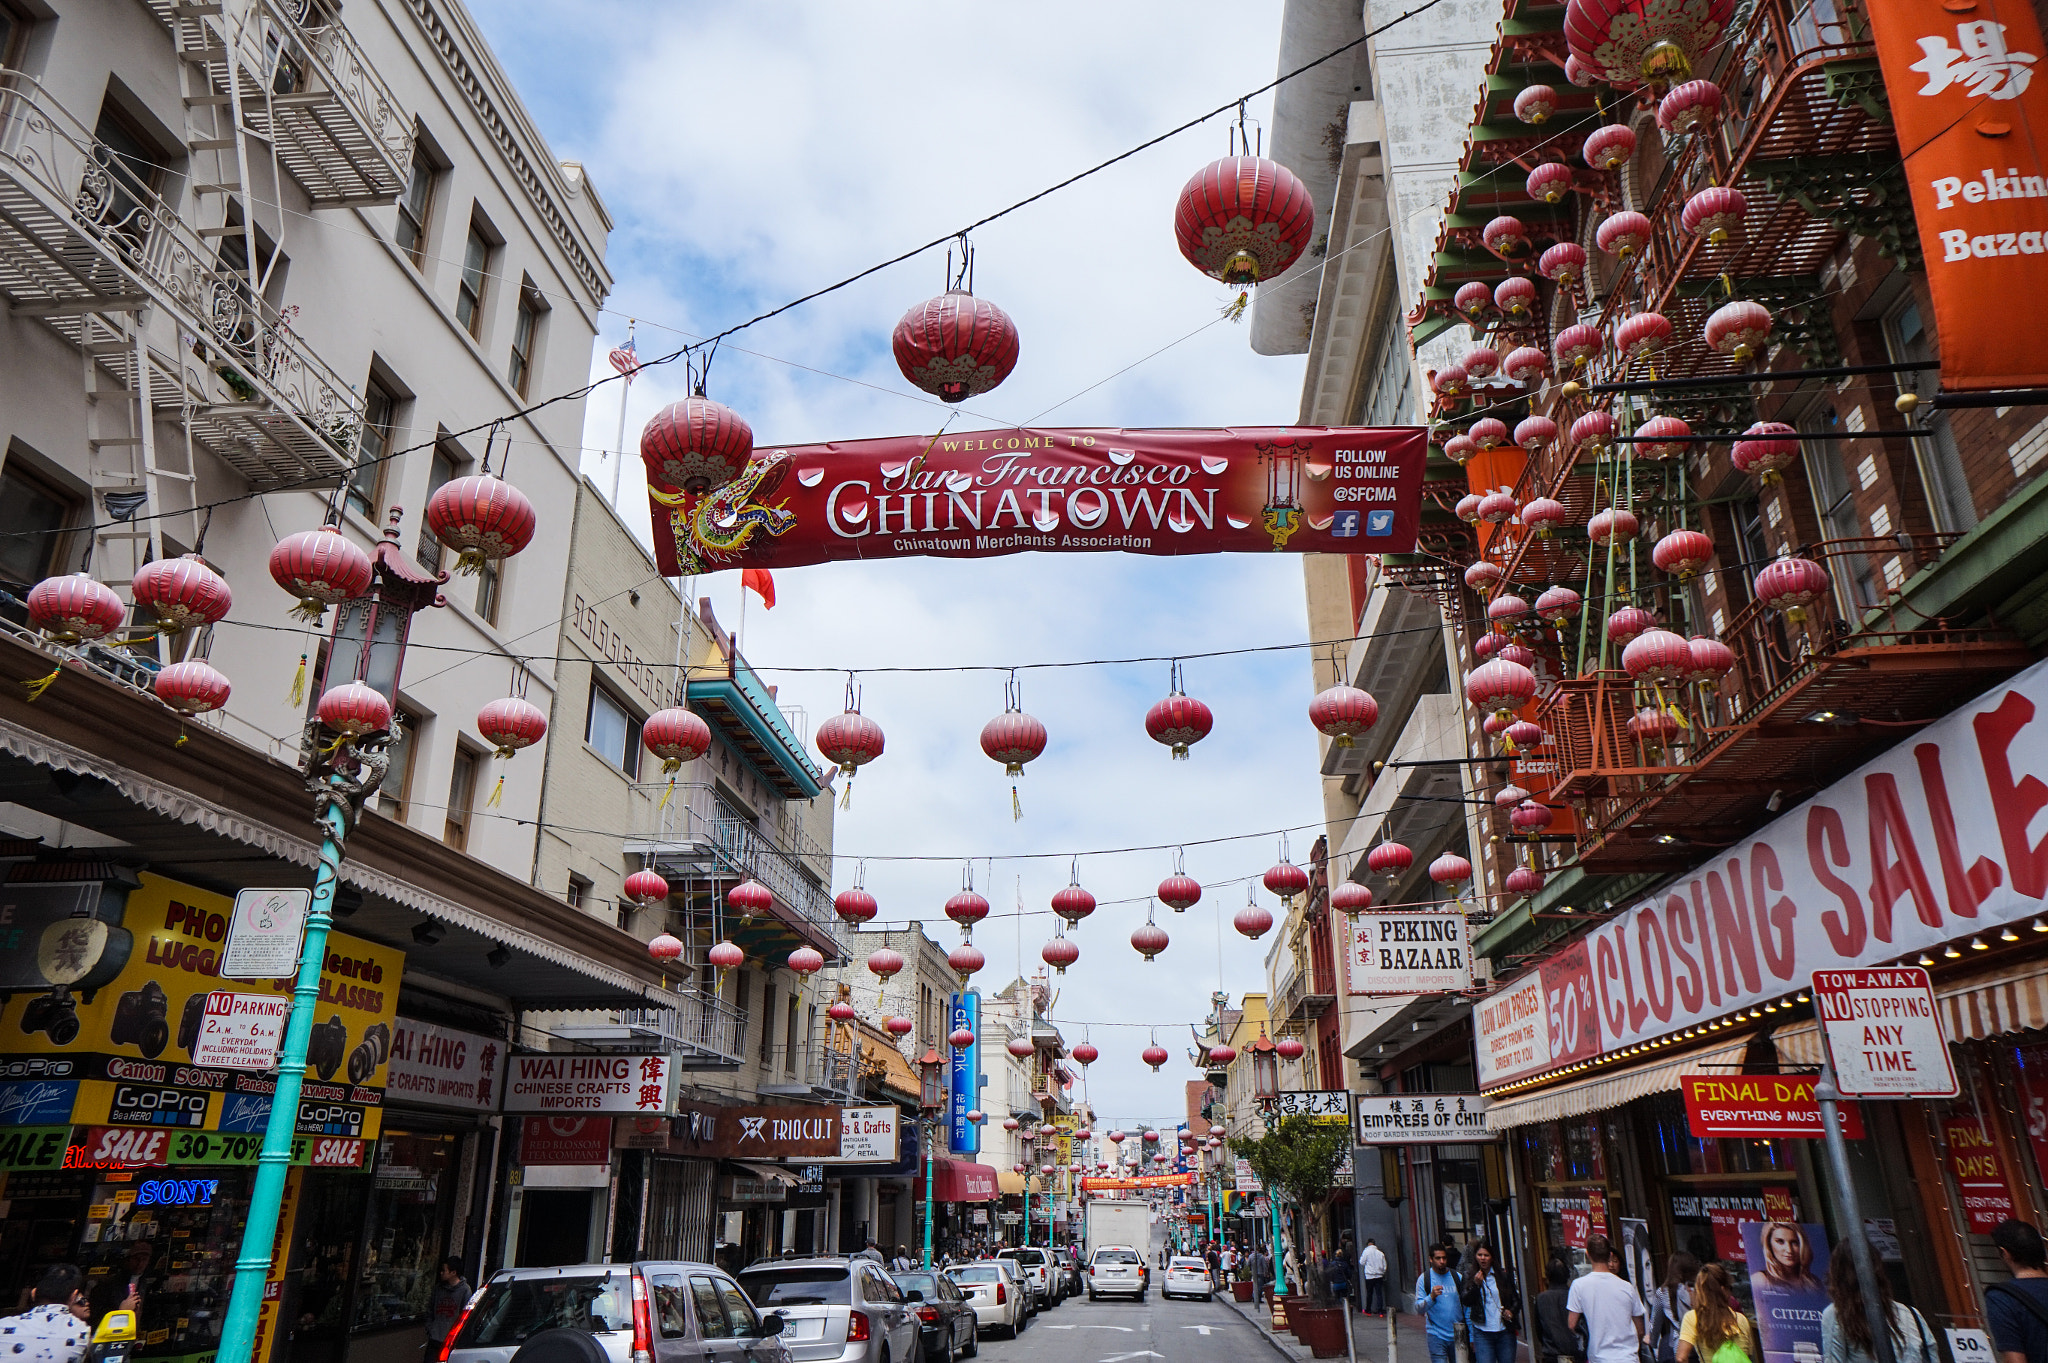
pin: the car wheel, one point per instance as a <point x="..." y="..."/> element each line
<point x="974" y="1340"/>
<point x="1091" y="1296"/>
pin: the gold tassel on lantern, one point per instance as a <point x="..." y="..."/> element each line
<point x="1016" y="806"/>
<point x="1235" y="311"/>
<point x="497" y="792"/>
<point x="298" y="691"/>
<point x="846" y="795"/>
<point x="37" y="686"/>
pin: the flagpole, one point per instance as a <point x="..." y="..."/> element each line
<point x="619" y="444"/>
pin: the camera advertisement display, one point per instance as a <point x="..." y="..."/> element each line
<point x="133" y="1044"/>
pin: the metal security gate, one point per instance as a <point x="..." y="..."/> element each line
<point x="679" y="1208"/>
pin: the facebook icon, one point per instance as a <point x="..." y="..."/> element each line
<point x="1378" y="523"/>
<point x="1344" y="525"/>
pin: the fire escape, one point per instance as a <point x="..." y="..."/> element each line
<point x="164" y="284"/>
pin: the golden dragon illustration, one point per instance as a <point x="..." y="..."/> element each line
<point x="714" y="528"/>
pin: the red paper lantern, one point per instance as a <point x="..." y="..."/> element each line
<point x="1020" y="1046"/>
<point x="1508" y="796"/>
<point x="1290" y="1048"/>
<point x="1497" y="508"/>
<point x="841" y="1011"/>
<point x="1711" y="660"/>
<point x="484" y="519"/>
<point x="1180" y="892"/>
<point x="1060" y="953"/>
<point x="1714" y="213"/>
<point x="1535" y="433"/>
<point x="192" y="687"/>
<point x="1688" y="106"/>
<point x="1625" y="625"/>
<point x="1535" y="104"/>
<point x="956" y="346"/>
<point x="1657" y="656"/>
<point x="320" y="567"/>
<point x="1642" y="333"/>
<point x="695" y="444"/>
<point x="1459" y="448"/>
<point x="1086" y="1054"/>
<point x="850" y="741"/>
<point x="1473" y="300"/>
<point x="1545" y="516"/>
<point x="1013" y="738"/>
<point x="1253" y="920"/>
<point x="1507" y="610"/>
<point x="182" y="592"/>
<point x="1525" y="364"/>
<point x="1389" y="859"/>
<point x="1564" y="262"/>
<point x="665" y="947"/>
<point x="1548" y="183"/>
<point x="1609" y="147"/>
<point x="1500" y="686"/>
<point x="1629" y="42"/>
<point x="1243" y="220"/>
<point x="806" y="961"/>
<point x="1652" y="726"/>
<point x="1578" y="73"/>
<point x="1530" y="818"/>
<point x="1342" y="713"/>
<point x="1682" y="553"/>
<point x="1505" y="236"/>
<point x="1149" y="939"/>
<point x="966" y="959"/>
<point x="676" y="736"/>
<point x="510" y="723"/>
<point x="1449" y="381"/>
<point x="1623" y="234"/>
<point x="1557" y="605"/>
<point x="1179" y="721"/>
<point x="1738" y="328"/>
<point x="1072" y="902"/>
<point x="1577" y="344"/>
<point x="1514" y="296"/>
<point x="1616" y="524"/>
<point x="1790" y="585"/>
<point x="354" y="709"/>
<point x="1663" y="437"/>
<point x="726" y="956"/>
<point x="750" y="899"/>
<point x="75" y="608"/>
<point x="961" y="1038"/>
<point x="1766" y="448"/>
<point x="1467" y="509"/>
<point x="899" y="1026"/>
<point x="1480" y="362"/>
<point x="1483" y="574"/>
<point x="855" y="905"/>
<point x="1523" y="733"/>
<point x="1222" y="1055"/>
<point x="1523" y="880"/>
<point x="967" y="908"/>
<point x="1285" y="879"/>
<point x="1449" y="869"/>
<point x="644" y="887"/>
<point x="1154" y="1055"/>
<point x="1489" y="432"/>
<point x="885" y="961"/>
<point x="1350" y="897"/>
<point x="1515" y="653"/>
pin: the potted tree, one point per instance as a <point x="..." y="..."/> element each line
<point x="1297" y="1161"/>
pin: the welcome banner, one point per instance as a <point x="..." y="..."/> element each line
<point x="1939" y="838"/>
<point x="978" y="494"/>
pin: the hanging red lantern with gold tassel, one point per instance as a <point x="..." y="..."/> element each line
<point x="1243" y="220"/>
<point x="1013" y="738"/>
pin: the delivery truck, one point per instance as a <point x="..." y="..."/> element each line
<point x="1112" y="1221"/>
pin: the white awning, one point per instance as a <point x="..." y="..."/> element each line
<point x="2011" y="1000"/>
<point x="1612" y="1090"/>
<point x="770" y="1173"/>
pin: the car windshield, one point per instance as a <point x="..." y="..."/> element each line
<point x="975" y="1273"/>
<point x="513" y="1309"/>
<point x="1024" y="1256"/>
<point x="822" y="1286"/>
<point x="920" y="1283"/>
<point x="1116" y="1256"/>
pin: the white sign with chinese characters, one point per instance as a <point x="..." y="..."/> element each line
<point x="264" y="932"/>
<point x="1408" y="953"/>
<point x="445" y="1067"/>
<point x="588" y="1083"/>
<point x="1330" y="1106"/>
<point x="1420" y="1118"/>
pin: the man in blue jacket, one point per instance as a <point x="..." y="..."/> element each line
<point x="1436" y="1301"/>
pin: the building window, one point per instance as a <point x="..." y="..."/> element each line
<point x="577" y="896"/>
<point x="612" y="730"/>
<point x="373" y="451"/>
<point x="34" y="520"/>
<point x="490" y="577"/>
<point x="525" y="336"/>
<point x="461" y="799"/>
<point x="396" y="788"/>
<point x="135" y="168"/>
<point x="1387" y="403"/>
<point x="742" y="992"/>
<point x="441" y="469"/>
<point x="416" y="205"/>
<point x="789" y="1036"/>
<point x="767" y="1021"/>
<point x="469" y="294"/>
<point x="13" y="37"/>
<point x="1834" y="498"/>
<point x="1941" y="463"/>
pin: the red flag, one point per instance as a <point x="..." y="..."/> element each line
<point x="763" y="584"/>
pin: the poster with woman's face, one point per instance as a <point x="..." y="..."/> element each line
<point x="1788" y="1267"/>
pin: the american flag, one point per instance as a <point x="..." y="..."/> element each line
<point x="626" y="359"/>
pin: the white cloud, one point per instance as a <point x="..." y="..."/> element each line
<point x="752" y="152"/>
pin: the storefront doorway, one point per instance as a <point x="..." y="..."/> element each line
<point x="554" y="1227"/>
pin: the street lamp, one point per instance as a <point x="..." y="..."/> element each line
<point x="1266" y="1089"/>
<point x="930" y="1099"/>
<point x="343" y="756"/>
<point x="1027" y="1128"/>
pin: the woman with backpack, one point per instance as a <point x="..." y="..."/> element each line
<point x="1715" y="1330"/>
<point x="1667" y="1306"/>
<point x="1845" y="1324"/>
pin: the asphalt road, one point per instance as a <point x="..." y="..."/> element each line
<point x="1122" y="1331"/>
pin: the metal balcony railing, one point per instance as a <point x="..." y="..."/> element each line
<point x="694" y="825"/>
<point x="706" y="1032"/>
<point x="306" y="88"/>
<point x="810" y="1069"/>
<point x="79" y="234"/>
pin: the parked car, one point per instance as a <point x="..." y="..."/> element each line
<point x="996" y="1289"/>
<point x="835" y="1308"/>
<point x="1047" y="1287"/>
<point x="1117" y="1271"/>
<point x="947" y="1325"/>
<point x="649" y="1312"/>
<point x="1186" y="1276"/>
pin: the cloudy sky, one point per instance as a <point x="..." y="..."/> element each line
<point x="751" y="152"/>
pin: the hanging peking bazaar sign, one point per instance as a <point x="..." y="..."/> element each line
<point x="1970" y="114"/>
<point x="1302" y="489"/>
<point x="1939" y="838"/>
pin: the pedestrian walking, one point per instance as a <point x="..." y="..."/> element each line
<point x="1667" y="1306"/>
<point x="1262" y="1272"/>
<point x="1489" y="1294"/>
<point x="1715" y="1330"/>
<point x="2017" y="1311"/>
<point x="1372" y="1272"/>
<point x="1608" y="1307"/>
<point x="1337" y="1274"/>
<point x="1557" y="1341"/>
<point x="53" y="1330"/>
<point x="1845" y="1324"/>
<point x="451" y="1292"/>
<point x="1436" y="1301"/>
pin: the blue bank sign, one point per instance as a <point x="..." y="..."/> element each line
<point x="963" y="1090"/>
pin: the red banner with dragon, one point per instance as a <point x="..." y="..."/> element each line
<point x="1301" y="489"/>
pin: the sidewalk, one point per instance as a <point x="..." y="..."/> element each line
<point x="1368" y="1334"/>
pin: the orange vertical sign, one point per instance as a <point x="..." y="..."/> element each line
<point x="1969" y="97"/>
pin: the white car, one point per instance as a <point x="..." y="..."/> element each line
<point x="997" y="1291"/>
<point x="1186" y="1277"/>
<point x="1117" y="1271"/>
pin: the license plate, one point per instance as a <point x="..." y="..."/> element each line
<point x="807" y="1329"/>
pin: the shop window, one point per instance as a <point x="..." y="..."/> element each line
<point x="1681" y="1152"/>
<point x="612" y="730"/>
<point x="412" y="1203"/>
<point x="461" y="798"/>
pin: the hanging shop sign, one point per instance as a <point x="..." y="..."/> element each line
<point x="1419" y="1119"/>
<point x="1759" y="1106"/>
<point x="963" y="1077"/>
<point x="867" y="1135"/>
<point x="983" y="493"/>
<point x="1965" y="95"/>
<point x="1408" y="953"/>
<point x="825" y="1135"/>
<point x="132" y="1047"/>
<point x="240" y="1031"/>
<point x="1979" y="1172"/>
<point x="589" y="1083"/>
<point x="1243" y="1180"/>
<point x="565" y="1140"/>
<point x="1330" y="1107"/>
<point x="264" y="932"/>
<point x="443" y="1067"/>
<point x="1931" y="841"/>
<point x="62" y="934"/>
<point x="1884" y="1033"/>
<point x="1093" y="1184"/>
